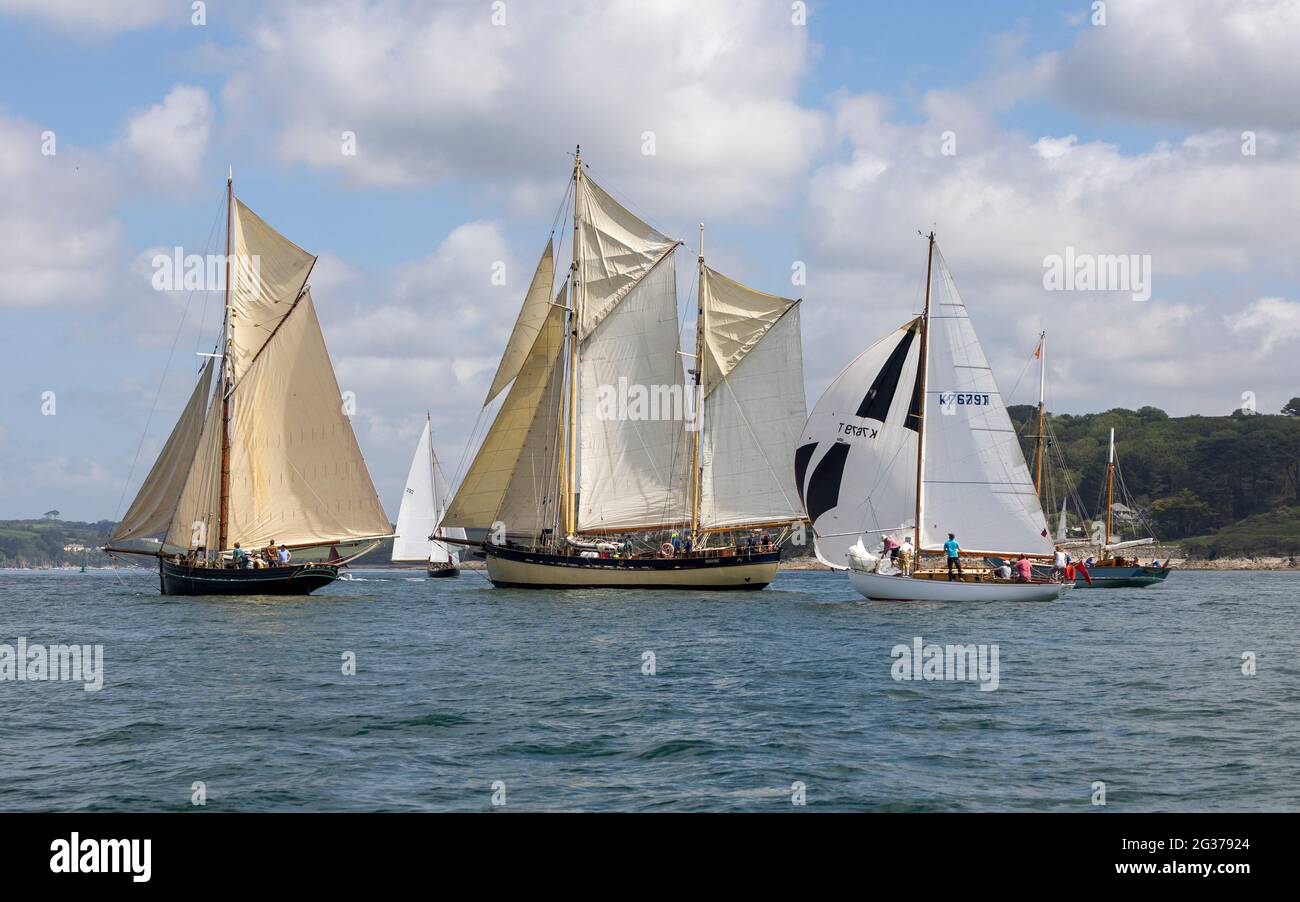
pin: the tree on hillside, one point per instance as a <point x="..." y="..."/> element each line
<point x="1182" y="514"/>
<point x="1291" y="408"/>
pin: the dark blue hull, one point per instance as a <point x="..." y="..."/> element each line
<point x="297" y="579"/>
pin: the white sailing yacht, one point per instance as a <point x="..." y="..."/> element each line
<point x="605" y="466"/>
<point x="419" y="520"/>
<point x="270" y="459"/>
<point x="913" y="437"/>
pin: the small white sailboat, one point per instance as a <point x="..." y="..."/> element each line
<point x="419" y="520"/>
<point x="913" y="438"/>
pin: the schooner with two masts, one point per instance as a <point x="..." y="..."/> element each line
<point x="605" y="466"/>
<point x="269" y="458"/>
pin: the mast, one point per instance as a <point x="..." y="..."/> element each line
<point x="921" y="413"/>
<point x="433" y="474"/>
<point x="223" y="510"/>
<point x="570" y="477"/>
<point x="1038" y="444"/>
<point x="697" y="475"/>
<point x="1110" y="482"/>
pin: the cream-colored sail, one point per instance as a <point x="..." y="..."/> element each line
<point x="617" y="250"/>
<point x="736" y="318"/>
<point x="151" y="512"/>
<point x="634" y="463"/>
<point x="532" y="502"/>
<point x="754" y="409"/>
<point x="267" y="273"/>
<point x="483" y="490"/>
<point x="537" y="304"/>
<point x="296" y="472"/>
<point x="194" y="524"/>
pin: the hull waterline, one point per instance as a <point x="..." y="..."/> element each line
<point x="879" y="587"/>
<point x="515" y="568"/>
<point x="299" y="579"/>
<point x="1123" y="577"/>
<point x="443" y="572"/>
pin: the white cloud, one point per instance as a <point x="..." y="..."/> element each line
<point x="1005" y="202"/>
<point x="57" y="229"/>
<point x="1269" y="321"/>
<point x="436" y="91"/>
<point x="1201" y="63"/>
<point x="98" y="17"/>
<point x="167" y="142"/>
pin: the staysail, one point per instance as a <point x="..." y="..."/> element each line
<point x="753" y="405"/>
<point x="513" y="437"/>
<point x="155" y="504"/>
<point x="417" y="516"/>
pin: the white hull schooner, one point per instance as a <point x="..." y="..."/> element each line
<point x="605" y="466"/>
<point x="912" y="438"/>
<point x="269" y="462"/>
<point x="419" y="521"/>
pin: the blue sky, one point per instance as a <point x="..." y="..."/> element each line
<point x="818" y="143"/>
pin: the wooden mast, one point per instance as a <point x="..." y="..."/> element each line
<point x="223" y="510"/>
<point x="697" y="475"/>
<point x="1038" y="444"/>
<point x="921" y="411"/>
<point x="1110" y="484"/>
<point x="575" y="318"/>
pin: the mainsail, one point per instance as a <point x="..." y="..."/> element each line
<point x="753" y="404"/>
<point x="856" y="464"/>
<point x="424" y="502"/>
<point x="295" y="471"/>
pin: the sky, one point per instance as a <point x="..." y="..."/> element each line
<point x="818" y="138"/>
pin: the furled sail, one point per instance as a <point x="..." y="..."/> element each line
<point x="537" y="304"/>
<point x="635" y="462"/>
<point x="977" y="485"/>
<point x="150" y="514"/>
<point x="617" y="249"/>
<point x="296" y="472"/>
<point x="753" y="407"/>
<point x="855" y="467"/>
<point x="267" y="273"/>
<point x="483" y="491"/>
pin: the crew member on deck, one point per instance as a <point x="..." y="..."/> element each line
<point x="953" y="550"/>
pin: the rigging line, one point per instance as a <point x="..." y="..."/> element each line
<point x="609" y="188"/>
<point x="198" y="337"/>
<point x="117" y="510"/>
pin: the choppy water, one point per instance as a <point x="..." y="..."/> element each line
<point x="459" y="685"/>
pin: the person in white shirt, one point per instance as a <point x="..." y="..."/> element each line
<point x="1060" y="561"/>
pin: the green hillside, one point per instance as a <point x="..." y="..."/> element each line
<point x="1230" y="483"/>
<point x="40" y="543"/>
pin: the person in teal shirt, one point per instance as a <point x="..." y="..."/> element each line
<point x="240" y="556"/>
<point x="953" y="550"/>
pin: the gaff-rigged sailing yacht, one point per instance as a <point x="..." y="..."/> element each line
<point x="912" y="437"/>
<point x="1114" y="571"/>
<point x="271" y="459"/>
<point x="419" y="521"/>
<point x="604" y="467"/>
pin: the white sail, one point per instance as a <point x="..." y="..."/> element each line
<point x="441" y="552"/>
<point x="484" y="490"/>
<point x="417" y="516"/>
<point x="617" y="250"/>
<point x="856" y="464"/>
<point x="1060" y="523"/>
<point x="753" y="406"/>
<point x="150" y="514"/>
<point x="635" y="458"/>
<point x="976" y="484"/>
